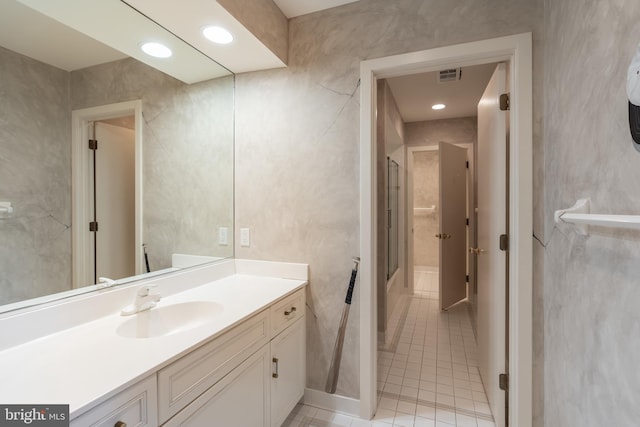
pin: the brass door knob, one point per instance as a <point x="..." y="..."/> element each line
<point x="476" y="251"/>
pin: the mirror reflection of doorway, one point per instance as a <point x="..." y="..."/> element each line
<point x="112" y="198"/>
<point x="113" y="174"/>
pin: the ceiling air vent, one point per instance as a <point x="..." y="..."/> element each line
<point x="450" y="75"/>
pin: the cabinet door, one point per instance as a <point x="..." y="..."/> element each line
<point x="240" y="399"/>
<point x="288" y="358"/>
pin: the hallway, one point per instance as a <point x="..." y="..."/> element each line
<point x="429" y="378"/>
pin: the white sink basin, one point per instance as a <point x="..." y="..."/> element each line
<point x="169" y="319"/>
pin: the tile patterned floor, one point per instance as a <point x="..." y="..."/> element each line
<point x="429" y="378"/>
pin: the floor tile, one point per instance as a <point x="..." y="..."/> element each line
<point x="432" y="378"/>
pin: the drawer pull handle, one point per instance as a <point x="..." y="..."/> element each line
<point x="120" y="424"/>
<point x="288" y="312"/>
<point x="274" y="375"/>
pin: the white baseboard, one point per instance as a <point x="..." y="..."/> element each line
<point x="331" y="402"/>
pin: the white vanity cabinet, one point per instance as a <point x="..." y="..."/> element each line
<point x="288" y="356"/>
<point x="240" y="399"/>
<point x="133" y="407"/>
<point x="184" y="380"/>
<point x="198" y="368"/>
<point x="253" y="375"/>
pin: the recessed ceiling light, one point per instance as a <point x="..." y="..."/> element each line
<point x="157" y="50"/>
<point x="217" y="34"/>
<point x="438" y="106"/>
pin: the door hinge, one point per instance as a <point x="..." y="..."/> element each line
<point x="93" y="226"/>
<point x="504" y="242"/>
<point x="467" y="164"/>
<point x="503" y="382"/>
<point x="505" y="102"/>
<point x="93" y="144"/>
<point x="467" y="221"/>
<point x="467" y="278"/>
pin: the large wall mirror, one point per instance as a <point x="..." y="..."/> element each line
<point x="159" y="187"/>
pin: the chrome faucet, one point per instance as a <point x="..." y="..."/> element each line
<point x="144" y="301"/>
<point x="105" y="282"/>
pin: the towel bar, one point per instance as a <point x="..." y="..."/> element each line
<point x="580" y="215"/>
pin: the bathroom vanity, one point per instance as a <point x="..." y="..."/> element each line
<point x="225" y="343"/>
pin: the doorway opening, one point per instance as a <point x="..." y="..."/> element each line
<point x="433" y="360"/>
<point x="516" y="51"/>
<point x="434" y="195"/>
<point x="107" y="192"/>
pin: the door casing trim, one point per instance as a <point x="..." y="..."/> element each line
<point x="80" y="182"/>
<point x="517" y="51"/>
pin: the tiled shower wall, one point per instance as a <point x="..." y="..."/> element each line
<point x="591" y="286"/>
<point x="297" y="142"/>
<point x="426" y="179"/>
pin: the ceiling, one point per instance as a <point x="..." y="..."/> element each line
<point x="186" y="18"/>
<point x="415" y="94"/>
<point x="68" y="49"/>
<point x="293" y="8"/>
<point x="37" y="36"/>
<point x="43" y="35"/>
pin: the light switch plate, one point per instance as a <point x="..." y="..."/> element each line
<point x="223" y="233"/>
<point x="245" y="237"/>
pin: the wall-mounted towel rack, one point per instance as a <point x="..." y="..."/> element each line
<point x="5" y="207"/>
<point x="424" y="211"/>
<point x="580" y="215"/>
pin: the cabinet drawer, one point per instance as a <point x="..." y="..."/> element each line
<point x="187" y="378"/>
<point x="285" y="312"/>
<point x="135" y="406"/>
<point x="240" y="399"/>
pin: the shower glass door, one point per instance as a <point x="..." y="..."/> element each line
<point x="393" y="188"/>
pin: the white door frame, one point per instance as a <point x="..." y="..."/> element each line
<point x="80" y="182"/>
<point x="517" y="50"/>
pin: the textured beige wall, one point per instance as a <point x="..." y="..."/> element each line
<point x="265" y="21"/>
<point x="591" y="287"/>
<point x="297" y="143"/>
<point x="35" y="176"/>
<point x="454" y="131"/>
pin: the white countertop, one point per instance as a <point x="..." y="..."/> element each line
<point x="85" y="364"/>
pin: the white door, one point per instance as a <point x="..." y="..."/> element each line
<point x="492" y="222"/>
<point x="115" y="201"/>
<point x="453" y="224"/>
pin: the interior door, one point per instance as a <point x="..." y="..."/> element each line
<point x="114" y="201"/>
<point x="492" y="222"/>
<point x="453" y="224"/>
